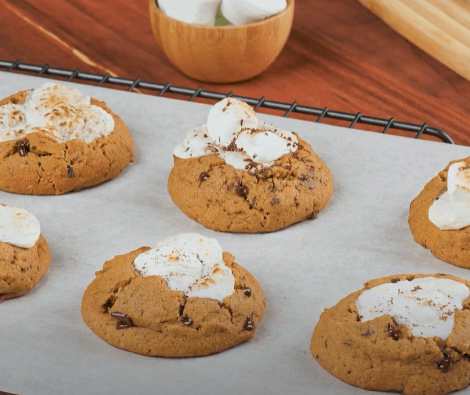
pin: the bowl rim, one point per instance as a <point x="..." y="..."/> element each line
<point x="154" y="8"/>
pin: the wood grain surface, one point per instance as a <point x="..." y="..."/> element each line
<point x="440" y="28"/>
<point x="338" y="55"/>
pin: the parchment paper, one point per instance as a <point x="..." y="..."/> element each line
<point x="46" y="348"/>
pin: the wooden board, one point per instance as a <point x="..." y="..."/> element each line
<point x="439" y="27"/>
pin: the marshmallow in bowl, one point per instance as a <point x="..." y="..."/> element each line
<point x="199" y="12"/>
<point x="240" y="12"/>
<point x="452" y="209"/>
<point x="190" y="263"/>
<point x="60" y="112"/>
<point x="18" y="227"/>
<point x="425" y="305"/>
<point x="234" y="133"/>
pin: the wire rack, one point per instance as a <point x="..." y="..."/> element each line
<point x="317" y="114"/>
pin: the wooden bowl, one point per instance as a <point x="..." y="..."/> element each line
<point x="221" y="54"/>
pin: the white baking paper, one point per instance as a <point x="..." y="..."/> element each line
<point x="362" y="234"/>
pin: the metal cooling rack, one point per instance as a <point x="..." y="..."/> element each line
<point x="318" y="114"/>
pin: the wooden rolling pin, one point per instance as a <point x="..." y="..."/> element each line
<point x="439" y="27"/>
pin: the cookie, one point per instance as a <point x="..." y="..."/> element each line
<point x="183" y="298"/>
<point x="54" y="140"/>
<point x="439" y="216"/>
<point x="406" y="333"/>
<point x="239" y="174"/>
<point x="24" y="253"/>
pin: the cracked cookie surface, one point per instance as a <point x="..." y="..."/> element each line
<point x="22" y="268"/>
<point x="142" y="315"/>
<point x="452" y="246"/>
<point x="223" y="198"/>
<point x="382" y="355"/>
<point x="37" y="165"/>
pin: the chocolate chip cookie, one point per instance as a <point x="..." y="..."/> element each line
<point x="450" y="245"/>
<point x="131" y="308"/>
<point x="385" y="338"/>
<point x="219" y="196"/>
<point x="24" y="253"/>
<point x="54" y="140"/>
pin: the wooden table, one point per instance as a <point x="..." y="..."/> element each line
<point x="338" y="55"/>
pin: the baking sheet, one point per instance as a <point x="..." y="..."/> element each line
<point x="362" y="234"/>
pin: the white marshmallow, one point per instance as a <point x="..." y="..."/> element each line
<point x="234" y="133"/>
<point x="452" y="209"/>
<point x="18" y="227"/>
<point x="190" y="263"/>
<point x="200" y="12"/>
<point x="425" y="305"/>
<point x="61" y="113"/>
<point x="228" y="117"/>
<point x="262" y="146"/>
<point x="240" y="12"/>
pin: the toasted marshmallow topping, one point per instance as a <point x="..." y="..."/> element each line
<point x="61" y="113"/>
<point x="200" y="12"/>
<point x="18" y="227"/>
<point x="234" y="133"/>
<point x="452" y="209"/>
<point x="240" y="12"/>
<point x="425" y="305"/>
<point x="190" y="263"/>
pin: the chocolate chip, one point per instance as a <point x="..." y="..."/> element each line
<point x="446" y="363"/>
<point x="203" y="176"/>
<point x="109" y="303"/>
<point x="242" y="190"/>
<point x="310" y="184"/>
<point x="393" y="332"/>
<point x="253" y="201"/>
<point x="187" y="320"/>
<point x="314" y="215"/>
<point x="394" y="280"/>
<point x="247" y="291"/>
<point x="70" y="172"/>
<point x="22" y="147"/>
<point x="249" y="324"/>
<point x="368" y="332"/>
<point x="124" y="321"/>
